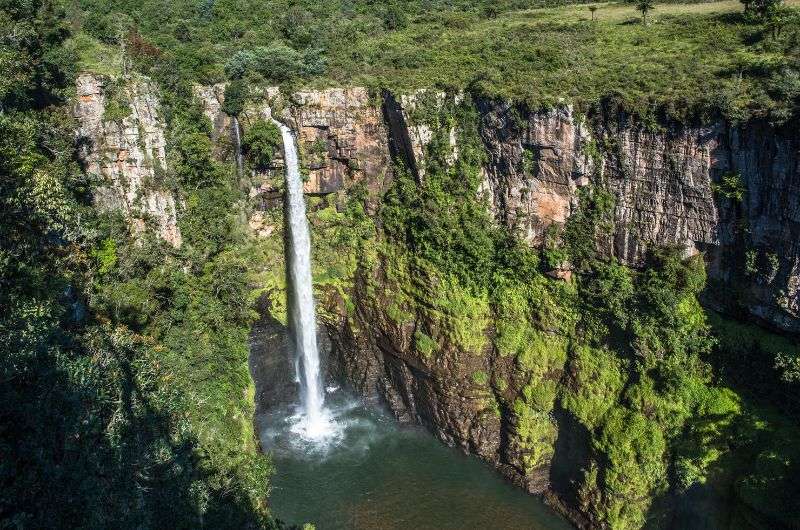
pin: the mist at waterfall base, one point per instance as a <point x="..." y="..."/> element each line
<point x="341" y="464"/>
<point x="380" y="474"/>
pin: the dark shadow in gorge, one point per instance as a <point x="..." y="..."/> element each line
<point x="64" y="466"/>
<point x="571" y="456"/>
<point x="271" y="364"/>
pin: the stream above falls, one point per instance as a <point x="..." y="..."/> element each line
<point x="380" y="474"/>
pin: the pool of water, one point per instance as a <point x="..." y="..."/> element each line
<point x="374" y="473"/>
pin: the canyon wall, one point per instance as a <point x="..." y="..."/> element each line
<point x="729" y="192"/>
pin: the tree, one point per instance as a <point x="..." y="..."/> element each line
<point x="762" y="9"/>
<point x="593" y="9"/>
<point x="240" y="64"/>
<point x="260" y="142"/>
<point x="36" y="67"/>
<point x="644" y="6"/>
<point x="394" y="17"/>
<point x="236" y="93"/>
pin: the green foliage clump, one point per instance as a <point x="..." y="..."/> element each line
<point x="235" y="97"/>
<point x="106" y="255"/>
<point x="480" y="377"/>
<point x="260" y="142"/>
<point x="116" y="409"/>
<point x="276" y="63"/>
<point x="600" y="376"/>
<point x="730" y="187"/>
<point x="536" y="433"/>
<point x="116" y="106"/>
<point x="634" y="448"/>
<point x="425" y="344"/>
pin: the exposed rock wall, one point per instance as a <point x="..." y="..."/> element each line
<point x="669" y="189"/>
<point x="663" y="182"/>
<point x="128" y="154"/>
<point x="341" y="133"/>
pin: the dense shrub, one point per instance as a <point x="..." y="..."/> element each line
<point x="260" y="141"/>
<point x="276" y="63"/>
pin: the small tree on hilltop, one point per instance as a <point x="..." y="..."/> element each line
<point x="592" y="9"/>
<point x="645" y="6"/>
<point x="761" y="8"/>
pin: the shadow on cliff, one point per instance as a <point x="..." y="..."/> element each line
<point x="271" y="364"/>
<point x="571" y="456"/>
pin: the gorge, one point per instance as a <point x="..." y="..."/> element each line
<point x="430" y="264"/>
<point x="417" y="339"/>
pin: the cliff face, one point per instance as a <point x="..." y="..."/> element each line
<point x="127" y="152"/>
<point x="726" y="191"/>
<point x="721" y="190"/>
<point x="340" y="133"/>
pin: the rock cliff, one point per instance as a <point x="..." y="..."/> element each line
<point x="126" y="150"/>
<point x="727" y="191"/>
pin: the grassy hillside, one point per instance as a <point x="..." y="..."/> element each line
<point x="690" y="58"/>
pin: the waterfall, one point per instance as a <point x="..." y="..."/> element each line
<point x="316" y="422"/>
<point x="237" y="136"/>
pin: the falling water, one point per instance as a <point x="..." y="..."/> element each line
<point x="316" y="421"/>
<point x="237" y="136"/>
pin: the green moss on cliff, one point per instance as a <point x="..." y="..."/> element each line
<point x="598" y="382"/>
<point x="535" y="433"/>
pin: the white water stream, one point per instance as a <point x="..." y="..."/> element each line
<point x="315" y="421"/>
<point x="237" y="133"/>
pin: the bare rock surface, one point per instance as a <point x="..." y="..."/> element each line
<point x="128" y="154"/>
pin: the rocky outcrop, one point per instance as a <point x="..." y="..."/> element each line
<point x="535" y="166"/>
<point x="127" y="152"/>
<point x="727" y="191"/>
<point x="341" y="135"/>
<point x="344" y="140"/>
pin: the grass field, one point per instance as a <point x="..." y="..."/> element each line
<point x="689" y="56"/>
<point x="690" y="59"/>
<point x="617" y="12"/>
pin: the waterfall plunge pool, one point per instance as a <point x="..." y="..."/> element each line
<point x="379" y="474"/>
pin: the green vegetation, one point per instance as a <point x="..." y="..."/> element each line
<point x="116" y="107"/>
<point x="124" y="388"/>
<point x="260" y="142"/>
<point x="125" y="393"/>
<point x="731" y="187"/>
<point x="690" y="60"/>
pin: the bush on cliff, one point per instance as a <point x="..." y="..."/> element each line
<point x="260" y="141"/>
